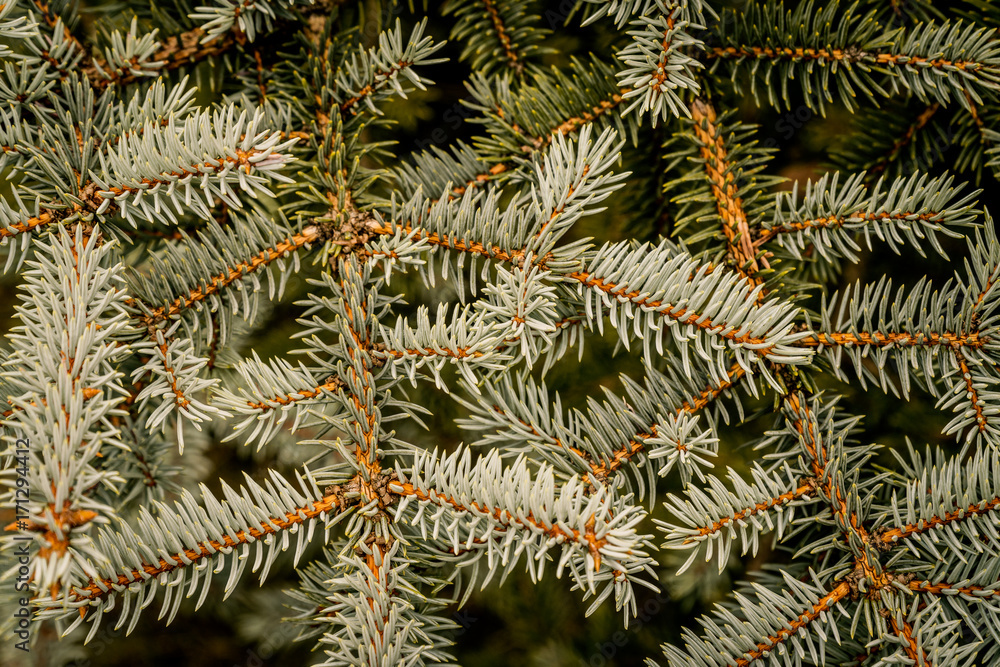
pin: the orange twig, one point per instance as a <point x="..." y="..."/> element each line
<point x="878" y="339"/>
<point x="505" y="42"/>
<point x="910" y="646"/>
<point x="334" y="384"/>
<point x="973" y="510"/>
<point x="837" y="221"/>
<point x="724" y="188"/>
<point x="803" y="490"/>
<point x="920" y="586"/>
<point x="222" y="280"/>
<point x="587" y="538"/>
<point x="95" y="589"/>
<point x="921" y="121"/>
<point x="852" y="56"/>
<point x="825" y="603"/>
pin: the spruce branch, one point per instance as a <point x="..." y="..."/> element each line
<point x="912" y="210"/>
<point x="262" y="403"/>
<point x="714" y="177"/>
<point x="657" y="65"/>
<point x="512" y="136"/>
<point x="114" y="162"/>
<point x="830" y="45"/>
<point x="174" y="547"/>
<point x="724" y="189"/>
<point x="596" y="532"/>
<point x="152" y="174"/>
<point x="372" y="618"/>
<point x="962" y="494"/>
<point x="961" y="354"/>
<point x="717" y="517"/>
<point x="708" y="304"/>
<point x="905" y="139"/>
<point x="608" y="440"/>
<point x="498" y="34"/>
<point x="119" y="64"/>
<point x="254" y="238"/>
<point x="71" y="348"/>
<point x="379" y="72"/>
<point x="173" y="382"/>
<point x="783" y="618"/>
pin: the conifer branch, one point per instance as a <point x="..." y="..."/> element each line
<point x="221" y="281"/>
<point x="586" y="539"/>
<point x="527" y="140"/>
<point x="973" y="510"/>
<point x="147" y="175"/>
<point x="379" y="77"/>
<point x="374" y="74"/>
<point x="102" y="587"/>
<point x="331" y="385"/>
<point x="658" y="64"/>
<point x="503" y="36"/>
<point x="270" y="391"/>
<point x="843" y="46"/>
<point x="112" y="366"/>
<point x="360" y="371"/>
<point x="177" y="51"/>
<point x="807" y="488"/>
<point x="724" y="189"/>
<point x="596" y="533"/>
<point x="461" y="245"/>
<point x="782" y="618"/>
<point x="574" y="123"/>
<point x="61" y="416"/>
<point x="838" y="221"/>
<point x="923" y="118"/>
<point x="911" y="209"/>
<point x="769" y="643"/>
<point x="602" y="470"/>
<point x="373" y="488"/>
<point x="844" y="55"/>
<point x="188" y="48"/>
<point x="803" y="420"/>
<point x="738" y="337"/>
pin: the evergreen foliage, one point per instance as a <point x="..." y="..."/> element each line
<point x="175" y="174"/>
